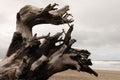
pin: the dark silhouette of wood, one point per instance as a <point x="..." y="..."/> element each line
<point x="29" y="59"/>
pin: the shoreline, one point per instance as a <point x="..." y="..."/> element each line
<point x="74" y="75"/>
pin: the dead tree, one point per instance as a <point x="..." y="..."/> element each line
<point x="29" y="59"/>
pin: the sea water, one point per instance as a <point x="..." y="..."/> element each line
<point x="106" y="65"/>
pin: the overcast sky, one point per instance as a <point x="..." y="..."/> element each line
<point x="96" y="25"/>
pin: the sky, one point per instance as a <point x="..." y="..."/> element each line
<point x="96" y="25"/>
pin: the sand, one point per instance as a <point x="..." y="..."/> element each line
<point x="74" y="75"/>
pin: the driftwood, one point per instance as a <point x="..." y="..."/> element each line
<point x="29" y="59"/>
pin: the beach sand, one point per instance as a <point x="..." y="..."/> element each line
<point x="74" y="75"/>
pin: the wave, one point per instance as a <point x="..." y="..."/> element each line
<point x="106" y="65"/>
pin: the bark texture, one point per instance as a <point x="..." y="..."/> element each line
<point x="29" y="59"/>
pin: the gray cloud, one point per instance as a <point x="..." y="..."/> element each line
<point x="3" y="18"/>
<point x="103" y="37"/>
<point x="98" y="23"/>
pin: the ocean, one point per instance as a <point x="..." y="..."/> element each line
<point x="105" y="65"/>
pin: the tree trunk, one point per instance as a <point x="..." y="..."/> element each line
<point x="29" y="59"/>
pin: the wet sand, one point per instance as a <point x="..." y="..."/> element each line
<point x="74" y="75"/>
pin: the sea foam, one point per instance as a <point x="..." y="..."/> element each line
<point x="106" y="65"/>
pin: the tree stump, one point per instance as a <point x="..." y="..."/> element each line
<point x="29" y="59"/>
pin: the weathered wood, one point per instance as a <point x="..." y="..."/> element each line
<point x="16" y="43"/>
<point x="29" y="59"/>
<point x="30" y="16"/>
